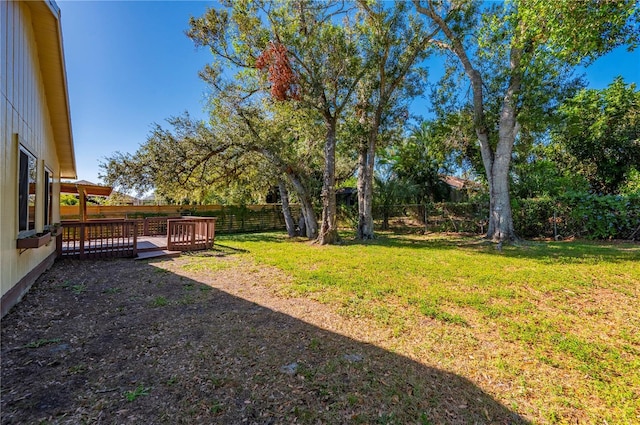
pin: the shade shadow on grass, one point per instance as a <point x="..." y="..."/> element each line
<point x="205" y="357"/>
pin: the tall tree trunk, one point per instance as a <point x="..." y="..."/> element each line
<point x="362" y="181"/>
<point x="286" y="210"/>
<point x="329" y="227"/>
<point x="496" y="162"/>
<point x="366" y="162"/>
<point x="501" y="217"/>
<point x="303" y="195"/>
<point x="311" y="222"/>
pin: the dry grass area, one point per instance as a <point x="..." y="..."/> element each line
<point x="264" y="331"/>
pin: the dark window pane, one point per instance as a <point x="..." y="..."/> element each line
<point x="23" y="192"/>
<point x="47" y="198"/>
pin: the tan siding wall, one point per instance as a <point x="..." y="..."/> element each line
<point x="23" y="111"/>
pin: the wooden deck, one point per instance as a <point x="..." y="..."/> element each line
<point x="151" y="243"/>
<point x="128" y="238"/>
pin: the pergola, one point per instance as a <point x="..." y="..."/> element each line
<point x="84" y="190"/>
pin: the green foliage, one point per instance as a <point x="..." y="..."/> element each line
<point x="538" y="174"/>
<point x="190" y="161"/>
<point x="581" y="31"/>
<point x="68" y="199"/>
<point x="79" y="289"/>
<point x="632" y="185"/>
<point x="583" y="215"/>
<point x="417" y="162"/>
<point x="436" y="313"/>
<point x="159" y="301"/>
<point x="600" y="132"/>
<point x="389" y="192"/>
<point x="604" y="217"/>
<point x="533" y="217"/>
<point x="519" y="58"/>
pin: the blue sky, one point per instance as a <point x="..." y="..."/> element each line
<point x="129" y="65"/>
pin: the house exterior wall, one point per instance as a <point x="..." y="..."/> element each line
<point x="25" y="119"/>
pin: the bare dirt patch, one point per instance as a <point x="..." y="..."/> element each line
<point x="168" y="341"/>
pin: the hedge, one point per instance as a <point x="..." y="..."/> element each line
<point x="582" y="215"/>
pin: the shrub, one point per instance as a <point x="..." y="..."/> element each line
<point x="582" y="215"/>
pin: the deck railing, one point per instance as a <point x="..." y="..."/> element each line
<point x="118" y="238"/>
<point x="190" y="233"/>
<point x="152" y="226"/>
<point x="99" y="239"/>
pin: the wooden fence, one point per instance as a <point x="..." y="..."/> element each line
<point x="230" y="219"/>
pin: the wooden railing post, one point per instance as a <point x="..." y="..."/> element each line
<point x="82" y="235"/>
<point x="59" y="243"/>
<point x="135" y="236"/>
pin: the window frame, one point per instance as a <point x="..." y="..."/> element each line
<point x="48" y="197"/>
<point x="27" y="222"/>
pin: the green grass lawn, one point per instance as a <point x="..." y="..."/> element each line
<point x="551" y="329"/>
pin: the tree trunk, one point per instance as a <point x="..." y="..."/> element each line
<point x="306" y="205"/>
<point x="501" y="218"/>
<point x="286" y="210"/>
<point x="328" y="228"/>
<point x="500" y="215"/>
<point x="366" y="161"/>
<point x="496" y="163"/>
<point x="303" y="195"/>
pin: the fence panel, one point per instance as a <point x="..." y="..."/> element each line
<point x="231" y="219"/>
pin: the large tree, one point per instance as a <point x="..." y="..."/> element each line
<point x="395" y="46"/>
<point x="522" y="47"/>
<point x="308" y="53"/>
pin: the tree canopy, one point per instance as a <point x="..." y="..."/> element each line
<point x="307" y="93"/>
<point x="600" y="134"/>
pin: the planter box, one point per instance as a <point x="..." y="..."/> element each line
<point x="33" y="241"/>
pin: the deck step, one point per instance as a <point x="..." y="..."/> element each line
<point x="157" y="254"/>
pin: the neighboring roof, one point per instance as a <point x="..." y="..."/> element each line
<point x="85" y="183"/>
<point x="458" y="183"/>
<point x="90" y="188"/>
<point x="45" y="15"/>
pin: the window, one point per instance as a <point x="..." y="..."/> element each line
<point x="27" y="191"/>
<point x="48" y="196"/>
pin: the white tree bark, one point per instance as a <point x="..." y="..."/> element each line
<point x="328" y="233"/>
